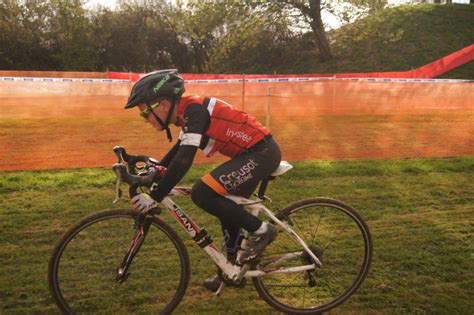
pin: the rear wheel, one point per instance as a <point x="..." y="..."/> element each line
<point x="340" y="239"/>
<point x="83" y="267"/>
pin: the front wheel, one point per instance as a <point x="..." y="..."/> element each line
<point x="83" y="268"/>
<point x="340" y="239"/>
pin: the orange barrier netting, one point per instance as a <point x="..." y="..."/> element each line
<point x="72" y="124"/>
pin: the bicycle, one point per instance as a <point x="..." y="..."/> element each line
<point x="121" y="259"/>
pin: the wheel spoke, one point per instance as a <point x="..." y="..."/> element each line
<point x="304" y="295"/>
<point x="335" y="237"/>
<point x="316" y="230"/>
<point x="331" y="290"/>
<point x="85" y="270"/>
<point x="299" y="231"/>
<point x="338" y="237"/>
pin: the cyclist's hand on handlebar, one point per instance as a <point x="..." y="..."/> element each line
<point x="143" y="202"/>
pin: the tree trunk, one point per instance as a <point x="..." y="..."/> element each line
<point x="318" y="30"/>
<point x="322" y="42"/>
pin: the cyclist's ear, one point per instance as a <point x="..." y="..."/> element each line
<point x="165" y="104"/>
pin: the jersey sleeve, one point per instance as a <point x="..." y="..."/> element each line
<point x="195" y="123"/>
<point x="196" y="120"/>
<point x="178" y="167"/>
<point x="166" y="160"/>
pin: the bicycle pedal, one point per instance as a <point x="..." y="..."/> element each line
<point x="221" y="288"/>
<point x="122" y="279"/>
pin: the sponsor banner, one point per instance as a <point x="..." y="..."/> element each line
<point x="402" y="80"/>
<point x="255" y="80"/>
<point x="34" y="79"/>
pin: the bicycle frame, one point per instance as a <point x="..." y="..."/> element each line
<point x="232" y="271"/>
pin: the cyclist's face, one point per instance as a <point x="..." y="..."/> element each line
<point x="160" y="111"/>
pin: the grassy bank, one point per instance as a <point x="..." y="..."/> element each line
<point x="420" y="212"/>
<point x="402" y="38"/>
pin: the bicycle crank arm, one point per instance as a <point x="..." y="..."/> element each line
<point x="221" y="288"/>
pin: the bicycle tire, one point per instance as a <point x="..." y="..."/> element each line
<point x="83" y="282"/>
<point x="333" y="283"/>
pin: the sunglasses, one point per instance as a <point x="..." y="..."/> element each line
<point x="144" y="113"/>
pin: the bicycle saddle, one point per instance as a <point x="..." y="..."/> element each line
<point x="282" y="169"/>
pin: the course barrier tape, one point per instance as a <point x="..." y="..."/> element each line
<point x="402" y="80"/>
<point x="257" y="80"/>
<point x="35" y="79"/>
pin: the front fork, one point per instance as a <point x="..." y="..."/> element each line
<point x="142" y="225"/>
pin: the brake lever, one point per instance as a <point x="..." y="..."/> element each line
<point x="120" y="152"/>
<point x="133" y="180"/>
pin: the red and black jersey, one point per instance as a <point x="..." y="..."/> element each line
<point x="216" y="126"/>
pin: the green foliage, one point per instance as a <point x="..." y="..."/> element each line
<point x="72" y="38"/>
<point x="22" y="44"/>
<point x="403" y="38"/>
<point x="227" y="37"/>
<point x="139" y="37"/>
<point x="419" y="212"/>
<point x="238" y="49"/>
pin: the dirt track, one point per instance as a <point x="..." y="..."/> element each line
<point x="68" y="125"/>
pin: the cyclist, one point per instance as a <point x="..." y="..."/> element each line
<point x="213" y="126"/>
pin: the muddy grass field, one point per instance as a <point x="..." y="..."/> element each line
<point x="420" y="212"/>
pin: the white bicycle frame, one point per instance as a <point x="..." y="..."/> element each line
<point x="232" y="271"/>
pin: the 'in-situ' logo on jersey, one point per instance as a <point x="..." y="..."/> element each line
<point x="238" y="134"/>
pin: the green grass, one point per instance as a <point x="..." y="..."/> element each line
<point x="420" y="212"/>
<point x="401" y="38"/>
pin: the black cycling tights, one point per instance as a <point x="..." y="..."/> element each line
<point x="231" y="215"/>
<point x="238" y="176"/>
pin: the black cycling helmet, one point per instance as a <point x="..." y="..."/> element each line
<point x="156" y="84"/>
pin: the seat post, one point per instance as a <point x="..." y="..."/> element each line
<point x="263" y="187"/>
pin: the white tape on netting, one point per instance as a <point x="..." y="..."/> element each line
<point x="403" y="80"/>
<point x="86" y="80"/>
<point x="262" y="80"/>
<point x="256" y="80"/>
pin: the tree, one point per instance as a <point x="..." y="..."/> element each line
<point x="72" y="39"/>
<point x="196" y="28"/>
<point x="203" y="25"/>
<point x="24" y="35"/>
<point x="256" y="44"/>
<point x="233" y="36"/>
<point x="140" y="37"/>
<point x="311" y="13"/>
